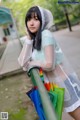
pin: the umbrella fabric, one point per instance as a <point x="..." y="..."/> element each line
<point x="53" y="97"/>
<point x="56" y="98"/>
<point x="34" y="96"/>
<point x="58" y="101"/>
<point x="56" y="95"/>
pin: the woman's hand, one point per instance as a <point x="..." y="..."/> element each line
<point x="26" y="66"/>
<point x="28" y="36"/>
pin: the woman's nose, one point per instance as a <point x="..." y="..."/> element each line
<point x="31" y="22"/>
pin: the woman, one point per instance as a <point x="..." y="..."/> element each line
<point x="42" y="50"/>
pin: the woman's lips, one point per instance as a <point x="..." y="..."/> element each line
<point x="32" y="28"/>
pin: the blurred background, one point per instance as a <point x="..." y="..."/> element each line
<point x="13" y="81"/>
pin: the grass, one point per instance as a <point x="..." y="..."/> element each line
<point x="13" y="98"/>
<point x="17" y="116"/>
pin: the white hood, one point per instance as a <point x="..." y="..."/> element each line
<point x="47" y="18"/>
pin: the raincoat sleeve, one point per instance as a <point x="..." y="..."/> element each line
<point x="26" y="52"/>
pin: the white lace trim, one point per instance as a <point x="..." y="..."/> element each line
<point x="73" y="107"/>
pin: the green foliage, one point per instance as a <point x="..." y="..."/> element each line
<point x="20" y="8"/>
<point x="18" y="116"/>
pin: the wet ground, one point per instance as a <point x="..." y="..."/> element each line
<point x="13" y="98"/>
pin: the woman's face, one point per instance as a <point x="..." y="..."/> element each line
<point x="33" y="23"/>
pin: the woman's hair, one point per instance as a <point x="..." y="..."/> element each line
<point x="36" y="38"/>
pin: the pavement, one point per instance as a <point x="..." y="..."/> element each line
<point x="8" y="62"/>
<point x="69" y="42"/>
<point x="2" y="48"/>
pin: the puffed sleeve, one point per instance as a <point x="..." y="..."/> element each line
<point x="47" y="38"/>
<point x="48" y="45"/>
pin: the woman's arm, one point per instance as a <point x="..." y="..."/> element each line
<point x="25" y="52"/>
<point x="49" y="63"/>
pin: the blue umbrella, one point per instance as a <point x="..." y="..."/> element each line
<point x="35" y="97"/>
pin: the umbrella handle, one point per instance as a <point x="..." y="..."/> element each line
<point x="33" y="67"/>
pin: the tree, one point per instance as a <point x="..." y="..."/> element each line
<point x="20" y="8"/>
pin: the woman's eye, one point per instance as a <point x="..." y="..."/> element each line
<point x="36" y="18"/>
